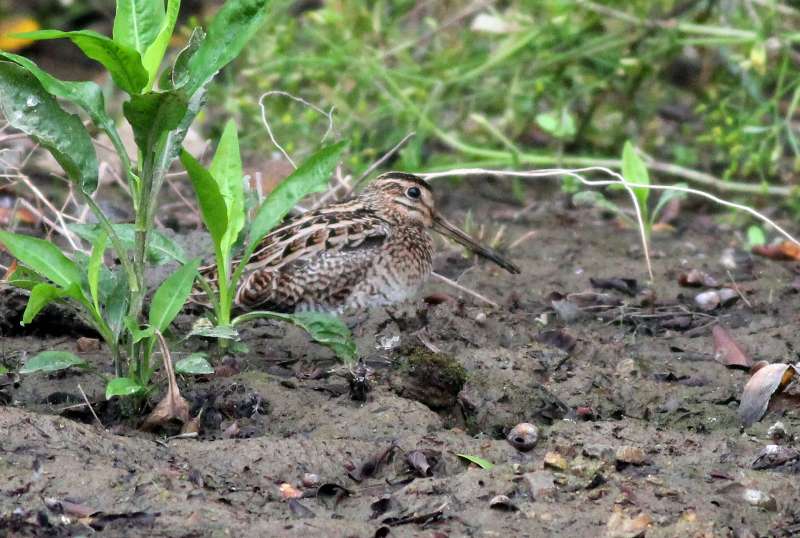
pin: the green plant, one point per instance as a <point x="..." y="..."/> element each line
<point x="635" y="173"/>
<point x="112" y="301"/>
<point x="220" y="195"/>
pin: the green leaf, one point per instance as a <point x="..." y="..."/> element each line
<point x="28" y="107"/>
<point x="52" y="361"/>
<point x="212" y="204"/>
<point x="755" y="236"/>
<point x="138" y="334"/>
<point x="233" y="26"/>
<point x="122" y="386"/>
<point x="124" y="63"/>
<point x="161" y="249"/>
<point x="43" y="257"/>
<point x="25" y="278"/>
<point x="117" y="306"/>
<point x="86" y="95"/>
<point x="203" y="327"/>
<point x="477" y="460"/>
<point x="194" y="364"/>
<point x="178" y="76"/>
<point x="635" y="171"/>
<point x="154" y="114"/>
<point x="93" y="270"/>
<point x="171" y="295"/>
<point x="3" y="370"/>
<point x="152" y="57"/>
<point x="137" y="23"/>
<point x="44" y="294"/>
<point x="324" y="329"/>
<point x="560" y="125"/>
<point x="226" y="169"/>
<point x="312" y="176"/>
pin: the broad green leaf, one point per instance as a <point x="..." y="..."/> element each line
<point x="635" y="171"/>
<point x="3" y="370"/>
<point x="123" y="62"/>
<point x="171" y="295"/>
<point x="203" y="327"/>
<point x="52" y="361"/>
<point x="122" y="386"/>
<point x="93" y="269"/>
<point x="233" y="26"/>
<point x="194" y="364"/>
<point x="30" y="108"/>
<point x="161" y="249"/>
<point x="212" y="204"/>
<point x="86" y="95"/>
<point x="324" y="329"/>
<point x="151" y="58"/>
<point x="312" y="176"/>
<point x="755" y="236"/>
<point x="477" y="460"/>
<point x="154" y="114"/>
<point x="137" y="23"/>
<point x="226" y="169"/>
<point x="44" y="294"/>
<point x="42" y="257"/>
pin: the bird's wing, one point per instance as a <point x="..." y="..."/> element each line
<point x="315" y="262"/>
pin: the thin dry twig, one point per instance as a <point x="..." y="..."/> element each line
<point x="85" y="399"/>
<point x="466" y="290"/>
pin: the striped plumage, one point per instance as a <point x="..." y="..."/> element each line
<point x="372" y="250"/>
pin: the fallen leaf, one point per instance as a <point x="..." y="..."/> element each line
<point x="759" y="390"/>
<point x="727" y="351"/>
<point x="173" y="406"/>
<point x="372" y="465"/>
<point x="784" y="251"/>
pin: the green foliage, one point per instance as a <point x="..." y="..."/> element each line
<point x="477" y="460"/>
<point x="30" y="108"/>
<point x="113" y="301"/>
<point x="194" y="364"/>
<point x="755" y="236"/>
<point x="52" y="361"/>
<point x="221" y="199"/>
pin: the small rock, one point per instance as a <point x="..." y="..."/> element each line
<point x="627" y="368"/>
<point x="566" y="310"/>
<point x="600" y="452"/>
<point x="480" y="318"/>
<point x="760" y="499"/>
<point x="85" y="345"/>
<point x="631" y="455"/>
<point x="540" y="484"/>
<point x="777" y="431"/>
<point x="523" y="436"/>
<point x="554" y="460"/>
<point x="621" y="526"/>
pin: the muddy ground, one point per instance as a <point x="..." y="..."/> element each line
<point x="638" y="426"/>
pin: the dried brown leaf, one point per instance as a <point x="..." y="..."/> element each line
<point x="759" y="390"/>
<point x="727" y="351"/>
<point x="173" y="406"/>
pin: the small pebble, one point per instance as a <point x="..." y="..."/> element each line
<point x="631" y="455"/>
<point x="523" y="436"/>
<point x="310" y="480"/>
<point x="554" y="460"/>
<point x="777" y="431"/>
<point x="480" y="318"/>
<point x="760" y="499"/>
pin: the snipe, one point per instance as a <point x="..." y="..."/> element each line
<point x="372" y="250"/>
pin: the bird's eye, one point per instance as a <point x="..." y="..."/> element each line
<point x="413" y="192"/>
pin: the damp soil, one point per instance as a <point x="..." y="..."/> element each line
<point x="637" y="422"/>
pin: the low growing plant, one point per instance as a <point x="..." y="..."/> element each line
<point x="160" y="107"/>
<point x="220" y="195"/>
